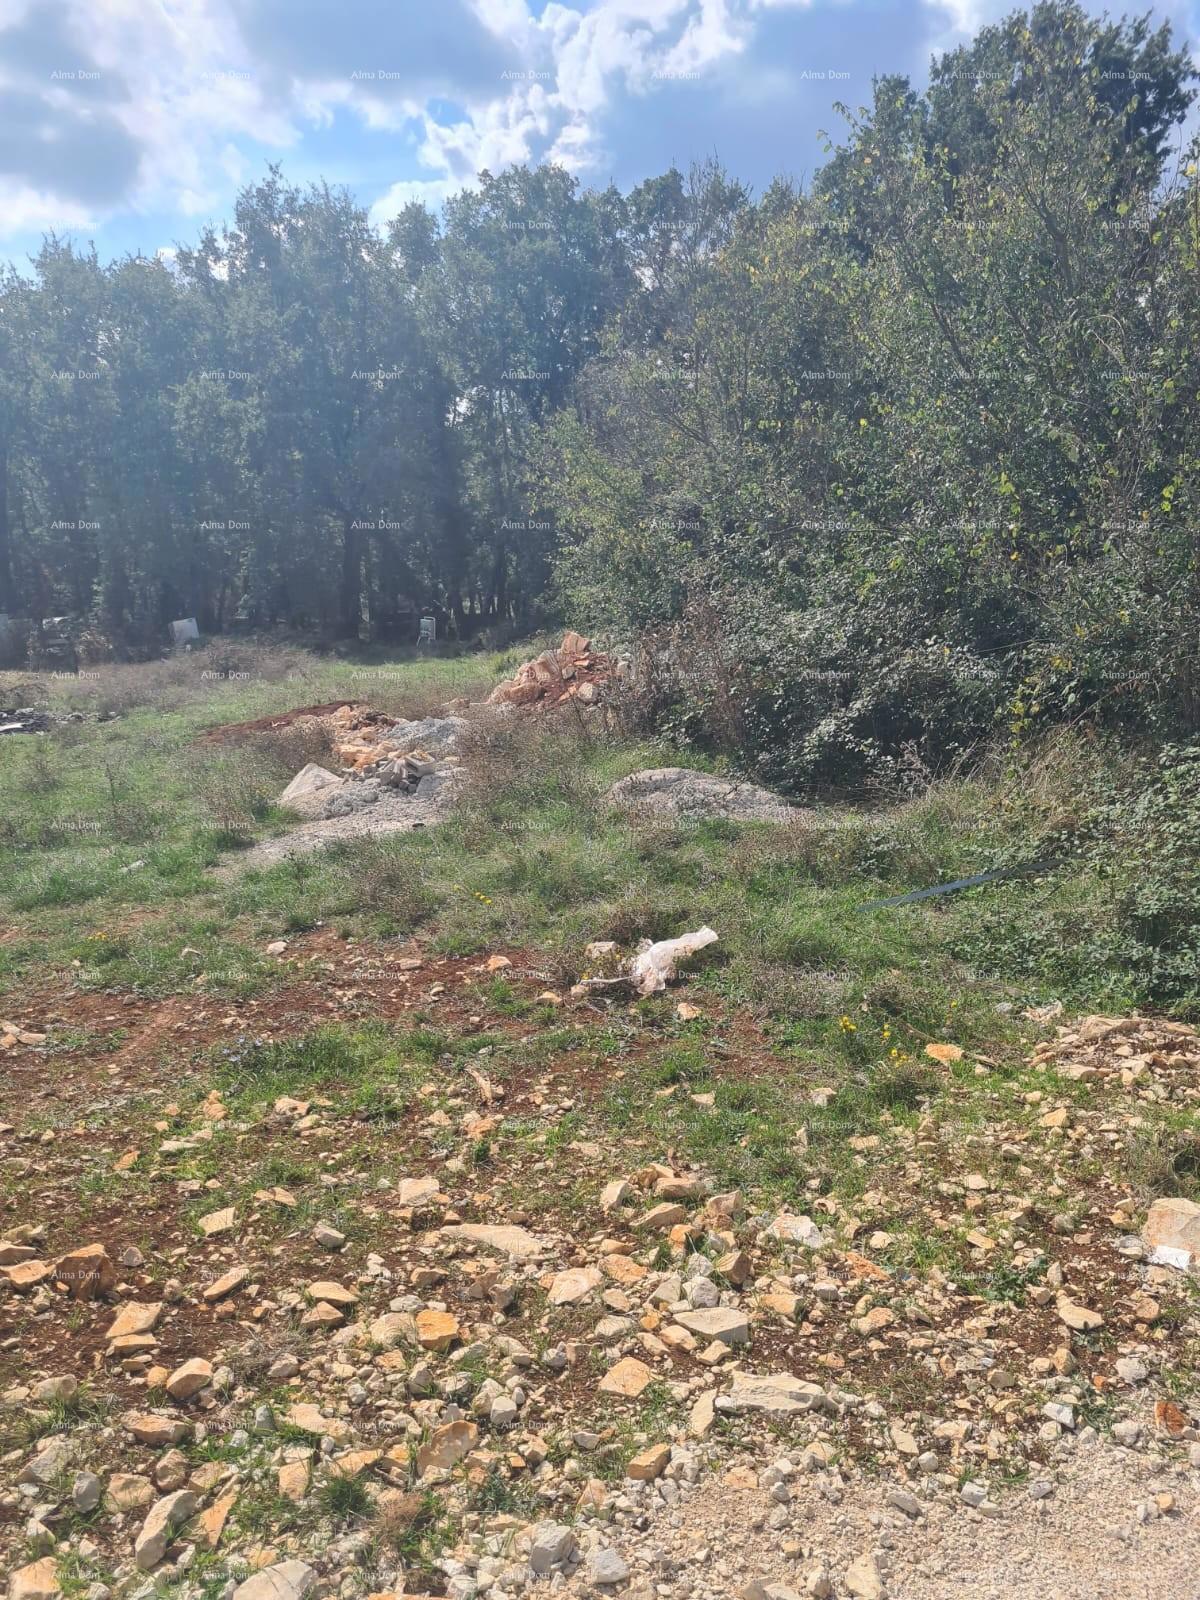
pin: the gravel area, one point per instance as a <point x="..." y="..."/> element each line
<point x="1100" y="1534"/>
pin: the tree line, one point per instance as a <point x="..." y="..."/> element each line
<point x="297" y="420"/>
<point x="888" y="457"/>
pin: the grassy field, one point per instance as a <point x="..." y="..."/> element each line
<point x="108" y="832"/>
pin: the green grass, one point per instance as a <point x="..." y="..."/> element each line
<point x="101" y="818"/>
<point x="344" y="1499"/>
<point x="375" y="1070"/>
<point x="536" y="859"/>
<point x="80" y="1410"/>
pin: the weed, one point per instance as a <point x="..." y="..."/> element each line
<point x="344" y="1498"/>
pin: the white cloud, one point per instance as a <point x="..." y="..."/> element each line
<point x="710" y="36"/>
<point x="430" y="192"/>
<point x="25" y="210"/>
<point x="197" y="97"/>
<point x="178" y="85"/>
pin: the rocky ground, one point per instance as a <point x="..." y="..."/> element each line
<point x="432" y="1275"/>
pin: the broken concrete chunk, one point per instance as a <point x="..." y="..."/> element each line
<point x="721" y="1322"/>
<point x="777" y="1393"/>
<point x="684" y="792"/>
<point x="796" y="1230"/>
<point x="1171" y="1233"/>
<point x="286" y="1580"/>
<point x="310" y="789"/>
<point x="88" y="1273"/>
<point x="167" y="1514"/>
<point x="515" y="1243"/>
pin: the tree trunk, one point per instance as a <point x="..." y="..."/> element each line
<point x="8" y="595"/>
<point x="351" y="595"/>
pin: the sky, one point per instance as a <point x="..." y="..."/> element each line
<point x="133" y="123"/>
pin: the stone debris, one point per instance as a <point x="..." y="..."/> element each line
<point x="656" y="964"/>
<point x="162" y="1520"/>
<point x="518" y="1244"/>
<point x="88" y="1273"/>
<point x="627" y="1377"/>
<point x="796" y="1230"/>
<point x="683" y="793"/>
<point x="38" y="1580"/>
<point x="1129" y="1049"/>
<point x="189" y="1379"/>
<point x="553" y="1384"/>
<point x="606" y="1567"/>
<point x="864" y="1579"/>
<point x="573" y="673"/>
<point x="731" y="1327"/>
<point x="404" y="758"/>
<point x="309" y="791"/>
<point x="776" y="1393"/>
<point x="551" y="1546"/>
<point x="286" y="1580"/>
<point x="1171" y="1233"/>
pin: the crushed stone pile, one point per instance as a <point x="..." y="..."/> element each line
<point x="402" y="758"/>
<point x="684" y="793"/>
<point x="374" y="747"/>
<point x="572" y="673"/>
<point x="1140" y="1052"/>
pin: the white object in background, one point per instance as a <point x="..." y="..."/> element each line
<point x="655" y="965"/>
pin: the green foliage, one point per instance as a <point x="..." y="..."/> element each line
<point x="908" y="462"/>
<point x="1126" y="899"/>
<point x="344" y="1499"/>
<point x="1149" y="840"/>
<point x="301" y="422"/>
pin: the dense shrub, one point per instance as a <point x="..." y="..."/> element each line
<point x="1125" y="898"/>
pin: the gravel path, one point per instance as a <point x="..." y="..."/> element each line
<point x="1100" y="1535"/>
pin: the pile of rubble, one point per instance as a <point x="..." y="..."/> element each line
<point x="402" y="758"/>
<point x="572" y="673"/>
<point x="1144" y="1054"/>
<point x="372" y="743"/>
<point x="25" y="719"/>
<point x="690" y="796"/>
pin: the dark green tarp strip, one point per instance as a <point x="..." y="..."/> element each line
<point x="959" y="883"/>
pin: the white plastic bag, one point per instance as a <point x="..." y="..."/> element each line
<point x="655" y="965"/>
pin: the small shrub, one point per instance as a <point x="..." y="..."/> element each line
<point x="40" y="774"/>
<point x="233" y="790"/>
<point x="382" y="877"/>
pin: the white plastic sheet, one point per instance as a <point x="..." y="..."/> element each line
<point x="655" y="964"/>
